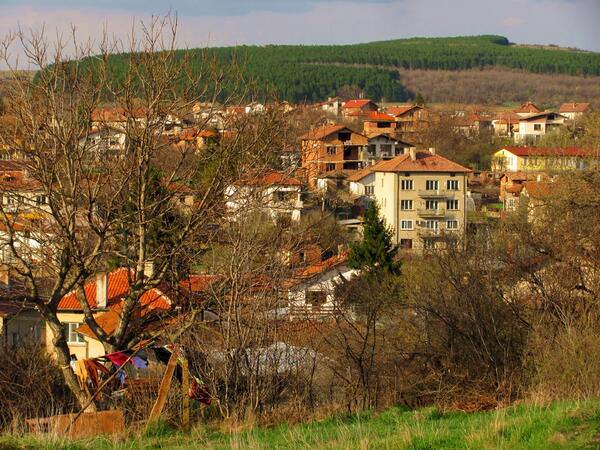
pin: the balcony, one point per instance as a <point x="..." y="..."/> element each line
<point x="429" y="232"/>
<point x="433" y="193"/>
<point x="440" y="212"/>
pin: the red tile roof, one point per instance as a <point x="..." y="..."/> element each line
<point x="118" y="288"/>
<point x="539" y="151"/>
<point x="360" y="174"/>
<point x="359" y="103"/>
<point x="317" y="269"/>
<point x="424" y="162"/>
<point x="374" y="116"/>
<point x="198" y="283"/>
<point x="574" y="107"/>
<point x="538" y="189"/>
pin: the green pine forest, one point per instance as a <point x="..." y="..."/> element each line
<point x="308" y="73"/>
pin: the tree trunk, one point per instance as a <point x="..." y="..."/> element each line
<point x="63" y="357"/>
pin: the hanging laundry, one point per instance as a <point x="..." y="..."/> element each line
<point x="163" y="355"/>
<point x="140" y="360"/>
<point x="81" y="373"/>
<point x="199" y="392"/>
<point x="119" y="358"/>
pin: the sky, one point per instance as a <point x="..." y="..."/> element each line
<point x="572" y="23"/>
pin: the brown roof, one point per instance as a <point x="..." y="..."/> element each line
<point x="400" y="110"/>
<point x="528" y="107"/>
<point x="316" y="134"/>
<point x="375" y="116"/>
<point x="272" y="179"/>
<point x="360" y="174"/>
<point x="538" y="189"/>
<point x="574" y="107"/>
<point x="424" y="162"/>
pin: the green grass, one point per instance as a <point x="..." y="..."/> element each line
<point x="561" y="425"/>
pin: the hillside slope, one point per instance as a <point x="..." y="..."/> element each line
<point x="310" y="73"/>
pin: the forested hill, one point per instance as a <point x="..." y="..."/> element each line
<point x="309" y="73"/>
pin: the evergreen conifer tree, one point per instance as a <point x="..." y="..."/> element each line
<point x="375" y="252"/>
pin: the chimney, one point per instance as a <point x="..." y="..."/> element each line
<point x="101" y="290"/>
<point x="413" y="153"/>
<point x="148" y="269"/>
<point x="432" y="150"/>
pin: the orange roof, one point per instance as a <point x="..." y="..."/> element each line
<point x="508" y="117"/>
<point x="316" y="134"/>
<point x="424" y="162"/>
<point x="360" y="174"/>
<point x="359" y="103"/>
<point x="573" y="107"/>
<point x="538" y="189"/>
<point x="198" y="283"/>
<point x="528" y="107"/>
<point x="317" y="269"/>
<point x="374" y="116"/>
<point x="118" y="288"/>
<point x="539" y="151"/>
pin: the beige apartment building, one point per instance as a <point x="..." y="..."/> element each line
<point x="422" y="197"/>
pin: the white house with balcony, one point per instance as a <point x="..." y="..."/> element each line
<point x="275" y="193"/>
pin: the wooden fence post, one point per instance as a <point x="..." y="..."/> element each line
<point x="165" y="384"/>
<point x="185" y="397"/>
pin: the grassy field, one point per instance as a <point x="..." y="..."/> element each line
<point x="561" y="425"/>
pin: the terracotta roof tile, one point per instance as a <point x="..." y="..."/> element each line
<point x="400" y="110"/>
<point x="374" y="116"/>
<point x="317" y="269"/>
<point x="272" y="179"/>
<point x="358" y="103"/>
<point x="118" y="288"/>
<point x="528" y="107"/>
<point x="574" y="107"/>
<point x="424" y="162"/>
<point x="319" y="133"/>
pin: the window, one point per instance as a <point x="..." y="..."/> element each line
<point x="406" y="224"/>
<point x="282" y="196"/>
<point x="537" y="127"/>
<point x="432" y="224"/>
<point x="72" y="336"/>
<point x="406" y="244"/>
<point x="344" y="136"/>
<point x="511" y="203"/>
<point x="406" y="185"/>
<point x="316" y="298"/>
<point x="329" y="167"/>
<point x="331" y="150"/>
<point x="431" y="204"/>
<point x="41" y="199"/>
<point x="369" y="190"/>
<point x="406" y="204"/>
<point x="432" y="185"/>
<point x="452" y="224"/>
<point x="428" y="244"/>
<point x="452" y="205"/>
<point x="452" y="185"/>
<point x="372" y="149"/>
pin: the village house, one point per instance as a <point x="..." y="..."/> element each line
<point x="20" y="192"/>
<point x="511" y="187"/>
<point x="362" y="182"/>
<point x="526" y="109"/>
<point x="376" y="123"/>
<point x="329" y="148"/>
<point x="384" y="146"/>
<point x="574" y="111"/>
<point x="422" y="197"/>
<point x="533" y="126"/>
<point x="118" y="117"/>
<point x="103" y="293"/>
<point x="411" y="121"/>
<point x="506" y="124"/>
<point x="277" y="194"/>
<point x="20" y="322"/>
<point x="311" y="291"/>
<point x="527" y="159"/>
<point x="333" y="106"/>
<point x="358" y="108"/>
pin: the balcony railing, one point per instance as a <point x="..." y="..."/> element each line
<point x="439" y="212"/>
<point x="423" y="231"/>
<point x="433" y="193"/>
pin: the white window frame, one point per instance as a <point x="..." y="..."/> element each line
<point x="72" y="336"/>
<point x="450" y="208"/>
<point x="450" y="183"/>
<point x="407" y="224"/>
<point x="409" y="203"/>
<point x="406" y="185"/>
<point x="429" y="183"/>
<point x="432" y="205"/>
<point x="432" y="224"/>
<point x="453" y="222"/>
